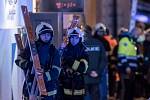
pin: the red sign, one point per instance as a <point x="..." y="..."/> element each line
<point x="62" y="5"/>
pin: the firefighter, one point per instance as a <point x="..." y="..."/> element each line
<point x="74" y="66"/>
<point x="97" y="64"/>
<point x="49" y="61"/>
<point x="99" y="32"/>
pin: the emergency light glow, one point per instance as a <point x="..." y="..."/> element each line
<point x="141" y="18"/>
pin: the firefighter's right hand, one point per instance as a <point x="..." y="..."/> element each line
<point x="94" y="74"/>
<point x="69" y="70"/>
<point x="128" y="70"/>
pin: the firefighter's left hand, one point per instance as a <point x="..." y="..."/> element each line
<point x="69" y="70"/>
<point x="93" y="74"/>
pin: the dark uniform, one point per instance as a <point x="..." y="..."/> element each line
<point x="97" y="63"/>
<point x="146" y="68"/>
<point x="74" y="64"/>
<point x="50" y="63"/>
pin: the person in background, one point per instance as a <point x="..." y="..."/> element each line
<point x="113" y="75"/>
<point x="74" y="66"/>
<point x="139" y="81"/>
<point x="117" y="87"/>
<point x="128" y="63"/>
<point x="100" y="31"/>
<point x="146" y="65"/>
<point x="49" y="61"/>
<point x="97" y="64"/>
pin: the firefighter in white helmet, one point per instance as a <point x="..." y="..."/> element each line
<point x="99" y="29"/>
<point x="75" y="64"/>
<point x="49" y="60"/>
<point x="44" y="28"/>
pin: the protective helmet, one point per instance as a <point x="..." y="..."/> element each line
<point x="44" y="27"/>
<point x="75" y="32"/>
<point x="100" y="27"/>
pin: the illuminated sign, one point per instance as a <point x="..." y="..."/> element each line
<point x="11" y="15"/>
<point x="62" y="6"/>
<point x="11" y="9"/>
<point x="142" y="18"/>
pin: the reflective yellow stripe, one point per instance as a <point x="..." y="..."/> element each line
<point x="75" y="92"/>
<point x="75" y="65"/>
<point x="79" y="92"/>
<point x="25" y="98"/>
<point x="67" y="92"/>
<point x="52" y="92"/>
<point x="39" y="98"/>
<point x="48" y="76"/>
<point x="21" y="60"/>
<point x="86" y="64"/>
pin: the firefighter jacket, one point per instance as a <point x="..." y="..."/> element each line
<point x="127" y="53"/>
<point x="50" y="63"/>
<point x="74" y="66"/>
<point x="97" y="59"/>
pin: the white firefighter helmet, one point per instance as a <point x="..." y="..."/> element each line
<point x="44" y="27"/>
<point x="76" y="31"/>
<point x="100" y="27"/>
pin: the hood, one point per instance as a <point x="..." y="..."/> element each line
<point x="124" y="34"/>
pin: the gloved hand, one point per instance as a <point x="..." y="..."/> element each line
<point x="93" y="74"/>
<point x="69" y="70"/>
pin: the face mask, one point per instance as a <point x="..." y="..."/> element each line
<point x="141" y="38"/>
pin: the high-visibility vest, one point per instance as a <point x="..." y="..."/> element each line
<point x="127" y="47"/>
